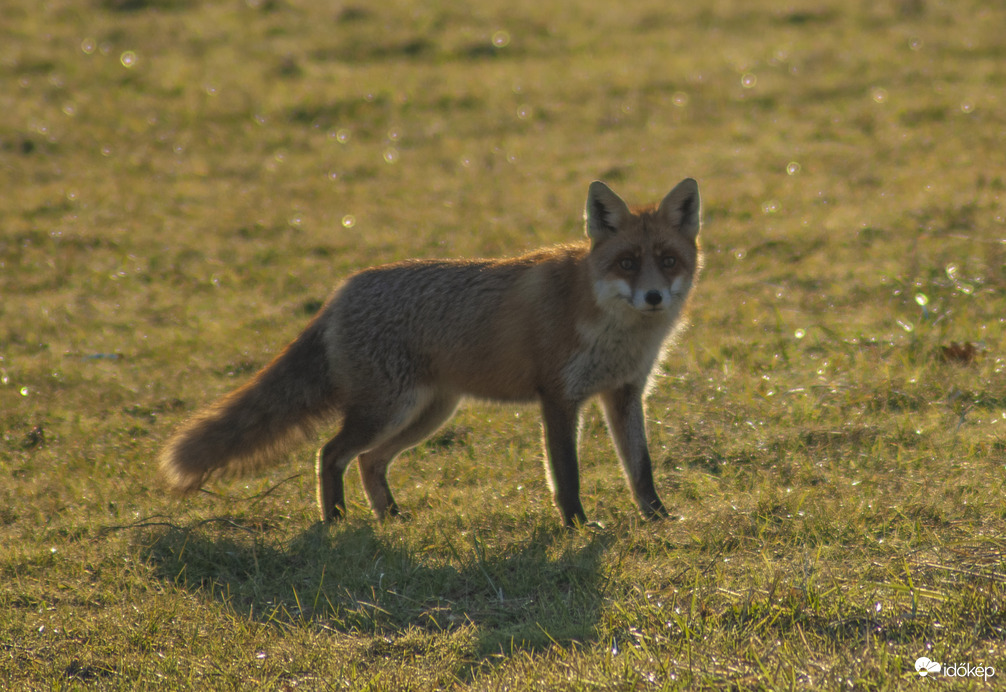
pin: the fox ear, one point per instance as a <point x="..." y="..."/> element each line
<point x="682" y="208"/>
<point x="604" y="213"/>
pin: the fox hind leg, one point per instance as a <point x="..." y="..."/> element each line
<point x="355" y="437"/>
<point x="374" y="462"/>
<point x="363" y="428"/>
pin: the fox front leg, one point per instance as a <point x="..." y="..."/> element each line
<point x="623" y="410"/>
<point x="561" y="420"/>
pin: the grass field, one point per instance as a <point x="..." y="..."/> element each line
<point x="184" y="182"/>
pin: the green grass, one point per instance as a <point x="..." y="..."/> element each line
<point x="184" y="182"/>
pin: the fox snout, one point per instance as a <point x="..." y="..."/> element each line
<point x="651" y="300"/>
<point x="662" y="298"/>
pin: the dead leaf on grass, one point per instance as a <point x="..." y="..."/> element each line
<point x="964" y="353"/>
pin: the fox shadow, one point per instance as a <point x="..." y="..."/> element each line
<point x="529" y="594"/>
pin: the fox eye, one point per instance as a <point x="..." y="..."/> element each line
<point x="627" y="263"/>
<point x="668" y="261"/>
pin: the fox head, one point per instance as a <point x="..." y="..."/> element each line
<point x="644" y="260"/>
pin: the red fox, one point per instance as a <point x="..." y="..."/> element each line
<point x="396" y="348"/>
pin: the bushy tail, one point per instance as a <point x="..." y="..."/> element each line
<point x="252" y="425"/>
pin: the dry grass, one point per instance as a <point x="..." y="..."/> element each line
<point x="184" y="183"/>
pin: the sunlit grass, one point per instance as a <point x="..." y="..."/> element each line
<point x="185" y="182"/>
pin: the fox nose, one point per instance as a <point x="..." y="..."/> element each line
<point x="653" y="298"/>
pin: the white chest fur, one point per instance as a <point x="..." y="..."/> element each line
<point x="619" y="348"/>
